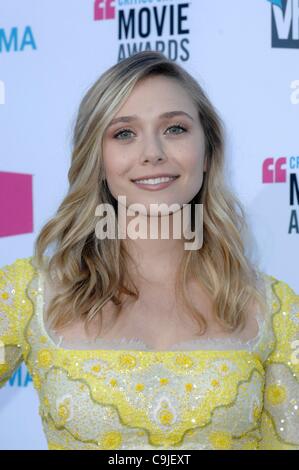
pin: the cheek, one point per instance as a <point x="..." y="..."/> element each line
<point x="193" y="166"/>
<point x="193" y="163"/>
<point x="115" y="164"/>
<point x="191" y="155"/>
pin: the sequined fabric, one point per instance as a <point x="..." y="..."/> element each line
<point x="214" y="394"/>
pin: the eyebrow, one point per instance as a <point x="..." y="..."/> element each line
<point x="168" y="114"/>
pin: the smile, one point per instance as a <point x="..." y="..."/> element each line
<point x="153" y="184"/>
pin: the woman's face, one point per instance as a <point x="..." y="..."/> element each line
<point x="144" y="144"/>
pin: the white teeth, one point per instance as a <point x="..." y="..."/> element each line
<point x="164" y="179"/>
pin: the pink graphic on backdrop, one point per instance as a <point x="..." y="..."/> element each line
<point x="273" y="171"/>
<point x="16" y="204"/>
<point x="104" y="10"/>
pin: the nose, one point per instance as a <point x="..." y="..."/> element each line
<point x="153" y="159"/>
<point x="153" y="151"/>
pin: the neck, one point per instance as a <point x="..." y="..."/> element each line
<point x="156" y="254"/>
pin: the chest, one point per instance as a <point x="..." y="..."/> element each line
<point x="158" y="318"/>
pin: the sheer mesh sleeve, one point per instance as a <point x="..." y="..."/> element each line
<point x="10" y="347"/>
<point x="280" y="416"/>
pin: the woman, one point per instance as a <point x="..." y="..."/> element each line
<point x="140" y="343"/>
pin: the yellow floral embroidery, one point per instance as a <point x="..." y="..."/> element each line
<point x="139" y="387"/>
<point x="215" y="383"/>
<point x="46" y="402"/>
<point x="3" y="368"/>
<point x="221" y="440"/>
<point x="183" y="360"/>
<point x="64" y="410"/>
<point x="5" y="295"/>
<point x="127" y="360"/>
<point x="111" y="440"/>
<point x="188" y="387"/>
<point x="36" y="381"/>
<point x="224" y="368"/>
<point x="276" y="394"/>
<point x="164" y="381"/>
<point x="44" y="358"/>
<point x="166" y="417"/>
<point x="256" y="412"/>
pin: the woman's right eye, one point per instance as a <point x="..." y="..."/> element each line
<point x="122" y="131"/>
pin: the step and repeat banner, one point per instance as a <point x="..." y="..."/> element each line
<point x="245" y="54"/>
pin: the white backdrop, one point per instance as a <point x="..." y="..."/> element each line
<point x="244" y="54"/>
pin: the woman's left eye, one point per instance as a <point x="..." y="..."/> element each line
<point x="177" y="126"/>
<point x="126" y="131"/>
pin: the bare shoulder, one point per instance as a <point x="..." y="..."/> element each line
<point x="74" y="330"/>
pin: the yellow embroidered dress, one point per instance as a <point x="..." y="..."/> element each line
<point x="212" y="394"/>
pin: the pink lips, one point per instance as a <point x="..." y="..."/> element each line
<point x="155" y="187"/>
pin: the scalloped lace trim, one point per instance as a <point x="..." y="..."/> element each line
<point x="136" y="343"/>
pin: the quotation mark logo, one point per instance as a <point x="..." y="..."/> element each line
<point x="103" y="10"/>
<point x="273" y="171"/>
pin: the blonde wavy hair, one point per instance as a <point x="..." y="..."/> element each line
<point x="92" y="272"/>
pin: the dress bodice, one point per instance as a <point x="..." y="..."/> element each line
<point x="212" y="394"/>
